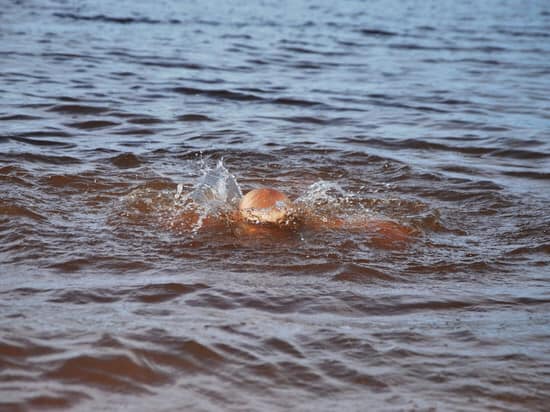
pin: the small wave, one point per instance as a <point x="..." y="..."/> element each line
<point x="152" y="293"/>
<point x="80" y="297"/>
<point x="283" y="346"/>
<point x="144" y="120"/>
<point x="218" y="93"/>
<point x="303" y="50"/>
<point x="110" y="372"/>
<point x="76" y="181"/>
<point x="19" y="117"/>
<point x="287" y="101"/>
<point x="307" y="65"/>
<point x="543" y="249"/>
<point x="162" y="62"/>
<point x="259" y="62"/>
<point x="177" y="354"/>
<point x="488" y="62"/>
<point x="78" y="109"/>
<point x="64" y="57"/>
<point x="521" y="154"/>
<point x="71" y="265"/>
<point x="163" y="292"/>
<point x="308" y="119"/>
<point x="40" y="142"/>
<point x="360" y="274"/>
<point x="48" y="159"/>
<point x="417" y="144"/>
<point x="194" y="118"/>
<point x="336" y="369"/>
<point x="92" y="124"/>
<point x="8" y="208"/>
<point x="127" y="161"/>
<point x="22" y="348"/>
<point x="119" y="20"/>
<point x="238" y="96"/>
<point x="55" y="399"/>
<point x="412" y="46"/>
<point x="528" y="174"/>
<point x="135" y="131"/>
<point x="517" y="33"/>
<point x="123" y="74"/>
<point x="48" y="132"/>
<point x="234" y="300"/>
<point x="377" y="33"/>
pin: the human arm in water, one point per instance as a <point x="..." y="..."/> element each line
<point x="264" y="209"/>
<point x="386" y="229"/>
<point x="384" y="233"/>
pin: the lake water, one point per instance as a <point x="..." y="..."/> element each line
<point x="433" y="114"/>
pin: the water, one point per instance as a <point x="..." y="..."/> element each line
<point x="434" y="115"/>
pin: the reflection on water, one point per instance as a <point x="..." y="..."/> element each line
<point x="117" y="119"/>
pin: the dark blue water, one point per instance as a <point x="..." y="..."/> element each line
<point x="434" y="115"/>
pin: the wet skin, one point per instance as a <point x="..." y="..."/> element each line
<point x="269" y="212"/>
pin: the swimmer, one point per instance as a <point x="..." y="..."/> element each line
<point x="265" y="206"/>
<point x="270" y="208"/>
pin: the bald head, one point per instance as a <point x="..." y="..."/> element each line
<point x="265" y="206"/>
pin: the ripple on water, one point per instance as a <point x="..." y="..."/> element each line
<point x="92" y="124"/>
<point x="109" y="303"/>
<point x="127" y="161"/>
<point x="111" y="372"/>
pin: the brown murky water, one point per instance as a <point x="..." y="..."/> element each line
<point x="433" y="115"/>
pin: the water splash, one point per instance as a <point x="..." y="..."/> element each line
<point x="216" y="193"/>
<point x="217" y="188"/>
<point x="327" y="200"/>
<point x="214" y="196"/>
<point x="322" y="193"/>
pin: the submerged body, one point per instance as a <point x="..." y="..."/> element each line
<point x="267" y="210"/>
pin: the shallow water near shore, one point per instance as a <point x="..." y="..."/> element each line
<point x="434" y="115"/>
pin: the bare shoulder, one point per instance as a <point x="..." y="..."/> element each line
<point x="388" y="229"/>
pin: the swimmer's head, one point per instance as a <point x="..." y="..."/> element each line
<point x="265" y="206"/>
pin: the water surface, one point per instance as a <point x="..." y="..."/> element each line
<point x="431" y="114"/>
